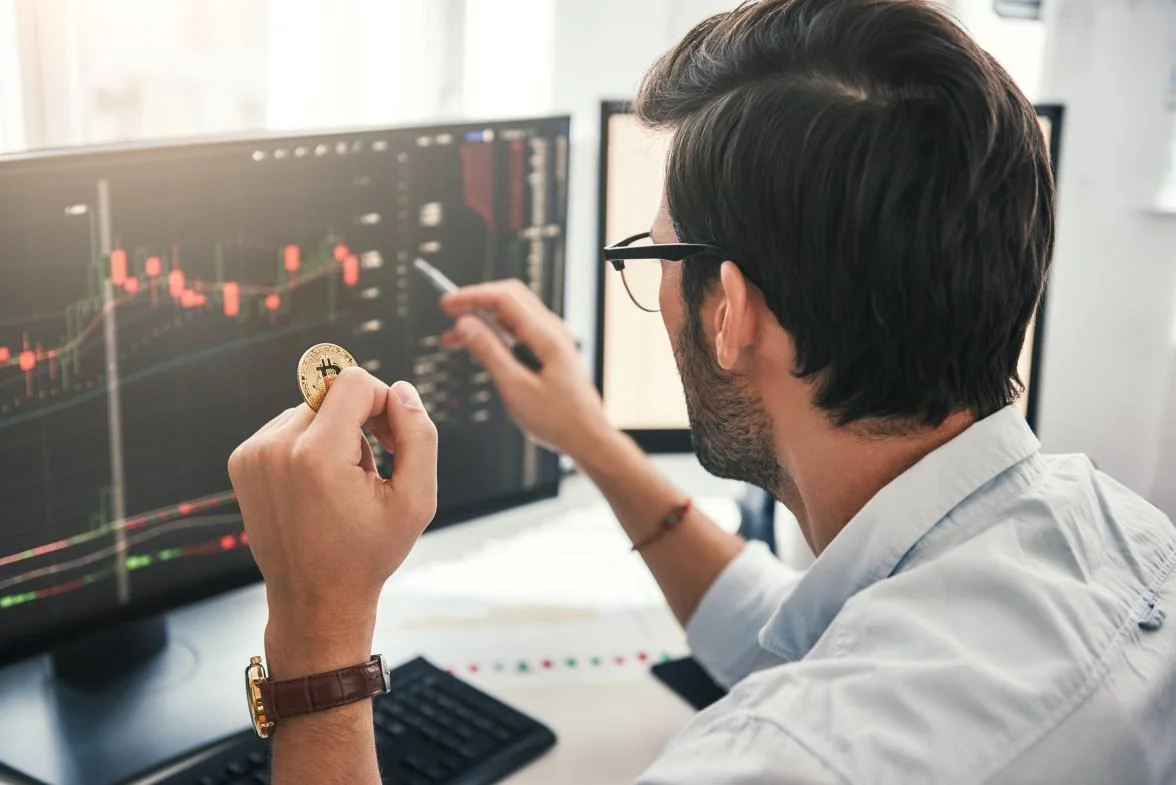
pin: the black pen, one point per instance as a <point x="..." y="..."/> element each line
<point x="523" y="353"/>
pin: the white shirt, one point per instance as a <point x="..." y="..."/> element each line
<point x="990" y="616"/>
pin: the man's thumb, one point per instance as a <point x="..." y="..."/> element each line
<point x="414" y="440"/>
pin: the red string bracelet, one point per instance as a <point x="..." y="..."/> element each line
<point x="668" y="524"/>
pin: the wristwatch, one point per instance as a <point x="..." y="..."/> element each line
<point x="271" y="701"/>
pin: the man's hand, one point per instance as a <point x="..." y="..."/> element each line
<point x="558" y="405"/>
<point x="325" y="529"/>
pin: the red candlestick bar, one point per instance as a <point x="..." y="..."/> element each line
<point x="5" y="354"/>
<point x="341" y="253"/>
<point x="153" y="266"/>
<point x="232" y="296"/>
<point x="351" y="270"/>
<point x="118" y="266"/>
<point x="192" y="299"/>
<point x="175" y="283"/>
<point x="273" y="301"/>
<point x="292" y="258"/>
<point x="131" y="285"/>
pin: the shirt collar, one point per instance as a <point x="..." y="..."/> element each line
<point x="875" y="540"/>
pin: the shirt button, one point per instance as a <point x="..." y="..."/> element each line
<point x="1153" y="620"/>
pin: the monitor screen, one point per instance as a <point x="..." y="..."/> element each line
<point x="635" y="366"/>
<point x="154" y="303"/>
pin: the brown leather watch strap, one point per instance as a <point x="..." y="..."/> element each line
<point x="323" y="690"/>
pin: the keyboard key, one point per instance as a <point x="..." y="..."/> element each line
<point x="423" y="767"/>
<point x="475" y="748"/>
<point x="394" y="728"/>
<point x="238" y="767"/>
<point x="449" y="741"/>
<point x="411" y="720"/>
<point x="464" y="713"/>
<point x="464" y="731"/>
<point x="511" y="720"/>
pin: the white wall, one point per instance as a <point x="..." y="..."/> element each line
<point x="602" y="50"/>
<point x="1106" y="381"/>
<point x="1018" y="44"/>
<point x="351" y="62"/>
<point x="504" y="39"/>
<point x="12" y="132"/>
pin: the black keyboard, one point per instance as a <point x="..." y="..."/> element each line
<point x="431" y="729"/>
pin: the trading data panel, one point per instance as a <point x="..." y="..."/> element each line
<point x="154" y="303"/>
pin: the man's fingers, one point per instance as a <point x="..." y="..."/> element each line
<point x="516" y="306"/>
<point x="367" y="460"/>
<point x="355" y="398"/>
<point x="489" y="350"/>
<point x="301" y="416"/>
<point x="277" y="421"/>
<point x="291" y="420"/>
<point x="414" y="438"/>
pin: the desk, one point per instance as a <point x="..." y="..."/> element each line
<point x="609" y="730"/>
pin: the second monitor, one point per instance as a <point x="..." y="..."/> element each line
<point x="635" y="365"/>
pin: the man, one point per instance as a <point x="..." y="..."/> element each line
<point x="877" y="206"/>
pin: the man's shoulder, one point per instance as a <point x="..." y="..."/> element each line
<point x="982" y="645"/>
<point x="1071" y="525"/>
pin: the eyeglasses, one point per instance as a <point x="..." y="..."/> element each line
<point x="643" y="281"/>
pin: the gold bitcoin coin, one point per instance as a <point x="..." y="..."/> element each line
<point x="317" y="369"/>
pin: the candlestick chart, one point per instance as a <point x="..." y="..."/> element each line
<point x="154" y="302"/>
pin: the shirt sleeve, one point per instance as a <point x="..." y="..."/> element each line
<point x="737" y="749"/>
<point x="723" y="633"/>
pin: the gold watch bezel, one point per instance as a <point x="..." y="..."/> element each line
<point x="255" y="676"/>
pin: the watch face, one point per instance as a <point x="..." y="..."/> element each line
<point x="254" y="676"/>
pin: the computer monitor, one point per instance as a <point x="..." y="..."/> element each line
<point x="635" y="366"/>
<point x="154" y="302"/>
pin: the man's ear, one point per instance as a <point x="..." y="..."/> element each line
<point x="736" y="320"/>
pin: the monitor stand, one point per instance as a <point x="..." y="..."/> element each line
<point x="117" y="704"/>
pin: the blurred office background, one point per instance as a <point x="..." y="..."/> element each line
<point x="75" y="72"/>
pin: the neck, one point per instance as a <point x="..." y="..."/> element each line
<point x="832" y="472"/>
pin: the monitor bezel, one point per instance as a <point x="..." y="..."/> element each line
<point x="1056" y="114"/>
<point x="674" y="440"/>
<point x="41" y="643"/>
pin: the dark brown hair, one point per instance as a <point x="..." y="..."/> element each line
<point x="883" y="182"/>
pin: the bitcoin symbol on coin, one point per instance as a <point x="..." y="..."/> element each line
<point x="325" y="366"/>
<point x="317" y="369"/>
